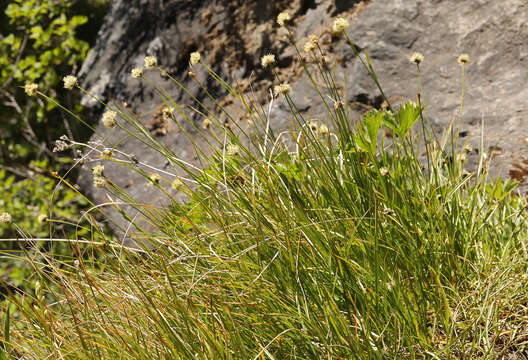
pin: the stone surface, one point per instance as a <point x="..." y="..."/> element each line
<point x="233" y="35"/>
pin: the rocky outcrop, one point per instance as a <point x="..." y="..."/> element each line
<point x="232" y="35"/>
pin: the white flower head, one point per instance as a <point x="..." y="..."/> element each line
<point x="99" y="182"/>
<point x="416" y="58"/>
<point x="109" y="117"/>
<point x="311" y="44"/>
<point x="98" y="170"/>
<point x="137" y="72"/>
<point x="31" y="89"/>
<point x="232" y="150"/>
<point x="168" y="111"/>
<point x="323" y="129"/>
<point x="195" y="58"/>
<point x="150" y="62"/>
<point x="155" y="178"/>
<point x="283" y="18"/>
<point x="69" y="81"/>
<point x="463" y="59"/>
<point x="267" y="60"/>
<point x="340" y="25"/>
<point x="5" y="218"/>
<point x="206" y="124"/>
<point x="282" y="89"/>
<point x="107" y="152"/>
<point x="177" y="184"/>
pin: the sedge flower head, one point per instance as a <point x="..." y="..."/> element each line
<point x="383" y="171"/>
<point x="99" y="182"/>
<point x="267" y="60"/>
<point x="31" y="89"/>
<point x="177" y="184"/>
<point x="5" y="218"/>
<point x="463" y="59"/>
<point x="323" y="130"/>
<point x="150" y="62"/>
<point x="313" y="126"/>
<point x="42" y="218"/>
<point x="282" y="89"/>
<point x="137" y="72"/>
<point x="338" y="104"/>
<point x="109" y="119"/>
<point x="195" y="58"/>
<point x="416" y="58"/>
<point x="206" y="124"/>
<point x="155" y="178"/>
<point x="98" y="170"/>
<point x="232" y="150"/>
<point x="69" y="81"/>
<point x="283" y="18"/>
<point x="107" y="152"/>
<point x="311" y="44"/>
<point x="340" y="25"/>
<point x="168" y="111"/>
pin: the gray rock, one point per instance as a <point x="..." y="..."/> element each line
<point x="233" y="35"/>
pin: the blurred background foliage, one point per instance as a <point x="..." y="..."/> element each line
<point x="40" y="42"/>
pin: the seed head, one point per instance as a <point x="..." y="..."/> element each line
<point x="99" y="182"/>
<point x="340" y="25"/>
<point x="282" y="89"/>
<point x="463" y="59"/>
<point x="311" y="44"/>
<point x="195" y="58"/>
<point x="416" y="58"/>
<point x="109" y="119"/>
<point x="5" y="218"/>
<point x="42" y="218"/>
<point x="69" y="81"/>
<point x="177" y="184"/>
<point x="31" y="89"/>
<point x="150" y="62"/>
<point x="267" y="60"/>
<point x="98" y="170"/>
<point x="283" y="18"/>
<point x="137" y="72"/>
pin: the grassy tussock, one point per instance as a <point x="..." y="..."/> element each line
<point x="332" y="244"/>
